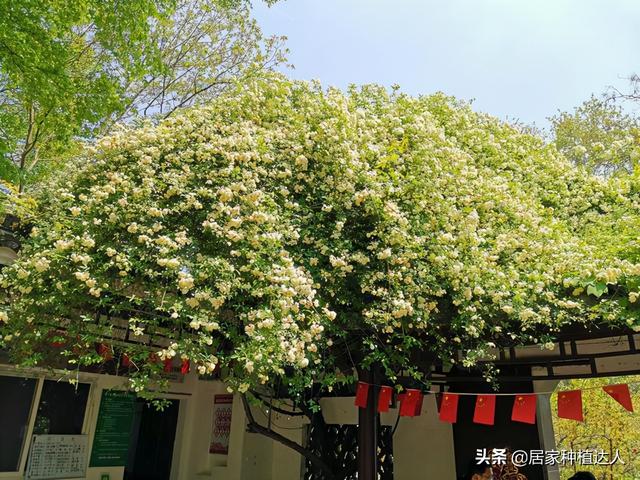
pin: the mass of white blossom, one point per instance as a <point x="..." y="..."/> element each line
<point x="285" y="230"/>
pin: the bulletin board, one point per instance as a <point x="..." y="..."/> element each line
<point x="57" y="456"/>
<point x="113" y="429"/>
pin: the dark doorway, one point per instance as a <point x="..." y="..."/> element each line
<point x="152" y="438"/>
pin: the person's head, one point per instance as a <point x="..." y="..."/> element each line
<point x="479" y="471"/>
<point x="583" y="476"/>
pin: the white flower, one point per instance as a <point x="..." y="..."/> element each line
<point x="243" y="387"/>
<point x="42" y="264"/>
<point x="302" y="163"/>
<point x="225" y="194"/>
<point x="88" y="242"/>
<point x="185" y="282"/>
<point x="82" y="276"/>
<point x="383" y="255"/>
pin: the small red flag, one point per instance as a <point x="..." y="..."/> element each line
<point x="418" y="409"/>
<point x="570" y="405"/>
<point x="620" y="393"/>
<point x="185" y="367"/>
<point x="409" y="402"/>
<point x="449" y="407"/>
<point x="168" y="365"/>
<point x="125" y="361"/>
<point x="524" y="409"/>
<point x="59" y="343"/>
<point x="362" y="394"/>
<point x="384" y="398"/>
<point x="105" y="352"/>
<point x="485" y="409"/>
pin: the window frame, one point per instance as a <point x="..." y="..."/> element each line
<point x="40" y="378"/>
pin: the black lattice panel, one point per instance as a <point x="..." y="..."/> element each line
<point x="337" y="445"/>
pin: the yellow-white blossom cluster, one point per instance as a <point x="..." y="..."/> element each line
<point x="283" y="226"/>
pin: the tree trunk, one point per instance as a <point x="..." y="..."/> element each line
<point x="368" y="419"/>
<point x="255" y="427"/>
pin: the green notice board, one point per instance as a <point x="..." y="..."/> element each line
<point x="113" y="430"/>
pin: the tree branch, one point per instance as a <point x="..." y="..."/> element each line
<point x="277" y="409"/>
<point x="255" y="427"/>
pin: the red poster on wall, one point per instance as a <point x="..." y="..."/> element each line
<point x="221" y="428"/>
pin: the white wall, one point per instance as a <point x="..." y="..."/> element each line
<point x="421" y="444"/>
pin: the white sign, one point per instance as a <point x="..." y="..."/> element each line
<point x="57" y="456"/>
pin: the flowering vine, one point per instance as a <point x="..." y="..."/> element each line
<point x="285" y="231"/>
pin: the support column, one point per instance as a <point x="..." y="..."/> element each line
<point x="545" y="424"/>
<point x="368" y="428"/>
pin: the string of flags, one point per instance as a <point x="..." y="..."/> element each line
<point x="410" y="402"/>
<point x="523" y="410"/>
<point x="167" y="364"/>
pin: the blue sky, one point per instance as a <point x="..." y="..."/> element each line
<point x="518" y="59"/>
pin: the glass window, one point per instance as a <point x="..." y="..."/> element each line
<point x="16" y="400"/>
<point x="61" y="408"/>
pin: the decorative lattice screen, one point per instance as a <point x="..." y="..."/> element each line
<point x="338" y="446"/>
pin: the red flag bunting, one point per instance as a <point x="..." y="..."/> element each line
<point x="620" y="393"/>
<point x="485" y="409"/>
<point x="168" y="365"/>
<point x="362" y="394"/>
<point x="449" y="407"/>
<point x="59" y="343"/>
<point x="524" y="409"/>
<point x="125" y="361"/>
<point x="524" y="406"/>
<point x="105" y="352"/>
<point x="418" y="410"/>
<point x="384" y="399"/>
<point x="570" y="405"/>
<point x="185" y="367"/>
<point x="409" y="402"/>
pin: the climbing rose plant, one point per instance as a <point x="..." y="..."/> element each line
<point x="285" y="230"/>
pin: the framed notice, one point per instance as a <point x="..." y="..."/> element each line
<point x="57" y="456"/>
<point x="221" y="428"/>
<point x="113" y="429"/>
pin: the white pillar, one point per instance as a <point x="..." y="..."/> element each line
<point x="544" y="419"/>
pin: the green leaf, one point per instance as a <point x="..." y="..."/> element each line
<point x="597" y="290"/>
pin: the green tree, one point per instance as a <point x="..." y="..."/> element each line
<point x="598" y="135"/>
<point x="71" y="70"/>
<point x="291" y="236"/>
<point x="55" y="74"/>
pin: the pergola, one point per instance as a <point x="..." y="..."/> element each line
<point x="578" y="353"/>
